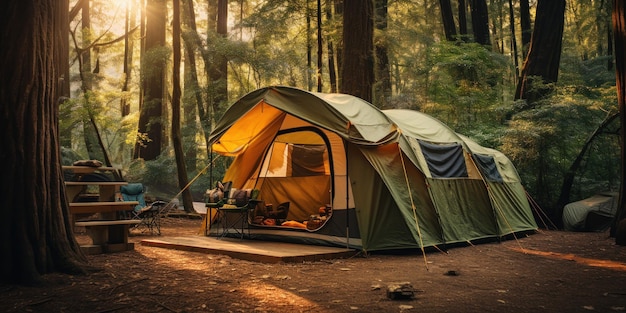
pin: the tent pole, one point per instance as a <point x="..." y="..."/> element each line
<point x="413" y="208"/>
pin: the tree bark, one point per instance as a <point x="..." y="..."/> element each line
<point x="192" y="93"/>
<point x="525" y="23"/>
<point x="309" y="47"/>
<point x="320" y="50"/>
<point x="448" y="19"/>
<point x="339" y="47"/>
<point x="332" y="72"/>
<point x="128" y="58"/>
<point x="382" y="90"/>
<point x="177" y="142"/>
<point x="36" y="236"/>
<point x="218" y="70"/>
<point x="358" y="49"/>
<point x="90" y="132"/>
<point x="480" y="22"/>
<point x="544" y="53"/>
<point x="154" y="59"/>
<point x="513" y="38"/>
<point x="619" y="36"/>
<point x="462" y="8"/>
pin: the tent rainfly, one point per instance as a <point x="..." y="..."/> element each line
<point x="391" y="179"/>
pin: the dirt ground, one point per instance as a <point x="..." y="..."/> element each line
<point x="550" y="271"/>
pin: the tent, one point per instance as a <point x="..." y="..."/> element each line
<point x="595" y="213"/>
<point x="391" y="179"/>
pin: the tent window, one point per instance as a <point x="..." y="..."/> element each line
<point x="444" y="160"/>
<point x="307" y="160"/>
<point x="487" y="166"/>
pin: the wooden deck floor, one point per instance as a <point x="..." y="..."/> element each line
<point x="251" y="250"/>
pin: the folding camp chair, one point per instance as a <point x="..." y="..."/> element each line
<point x="150" y="215"/>
<point x="234" y="217"/>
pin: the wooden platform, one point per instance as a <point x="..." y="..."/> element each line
<point x="251" y="250"/>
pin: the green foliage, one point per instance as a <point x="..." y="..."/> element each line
<point x="69" y="156"/>
<point x="465" y="84"/>
<point x="544" y="141"/>
<point x="160" y="177"/>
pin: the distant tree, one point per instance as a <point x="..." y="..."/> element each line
<point x="462" y="11"/>
<point x="193" y="102"/>
<point x="338" y="4"/>
<point x="382" y="90"/>
<point x="447" y="17"/>
<point x="332" y="71"/>
<point x="36" y="236"/>
<point x="129" y="24"/>
<point x="177" y="142"/>
<point x="526" y="25"/>
<point x="480" y="22"/>
<point x="320" y="45"/>
<point x="541" y="66"/>
<point x="513" y="37"/>
<point x="154" y="58"/>
<point x="358" y="48"/>
<point x="218" y="68"/>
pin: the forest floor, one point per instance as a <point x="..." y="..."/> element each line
<point x="550" y="271"/>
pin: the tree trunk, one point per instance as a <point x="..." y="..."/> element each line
<point x="339" y="16"/>
<point x="544" y="53"/>
<point x="218" y="71"/>
<point x="193" y="42"/>
<point x="462" y="8"/>
<point x="513" y="38"/>
<point x="36" y="236"/>
<point x="309" y="47"/>
<point x="320" y="50"/>
<point x="480" y="22"/>
<point x="128" y="59"/>
<point x="358" y="49"/>
<point x="331" y="53"/>
<point x="619" y="36"/>
<point x="525" y="23"/>
<point x="90" y="135"/>
<point x="382" y="91"/>
<point x="448" y="19"/>
<point x="177" y="142"/>
<point x="150" y="135"/>
<point x="192" y="94"/>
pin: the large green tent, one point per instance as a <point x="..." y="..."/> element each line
<point x="394" y="179"/>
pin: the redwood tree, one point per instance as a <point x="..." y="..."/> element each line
<point x="619" y="35"/>
<point x="36" y="236"/>
<point x="480" y="22"/>
<point x="177" y="141"/>
<point x="358" y="49"/>
<point x="544" y="53"/>
<point x="383" y="71"/>
<point x="154" y="59"/>
<point x="447" y="16"/>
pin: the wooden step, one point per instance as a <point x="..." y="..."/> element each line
<point x="101" y="207"/>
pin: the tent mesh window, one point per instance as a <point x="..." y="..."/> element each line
<point x="487" y="166"/>
<point x="307" y="160"/>
<point x="444" y="160"/>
